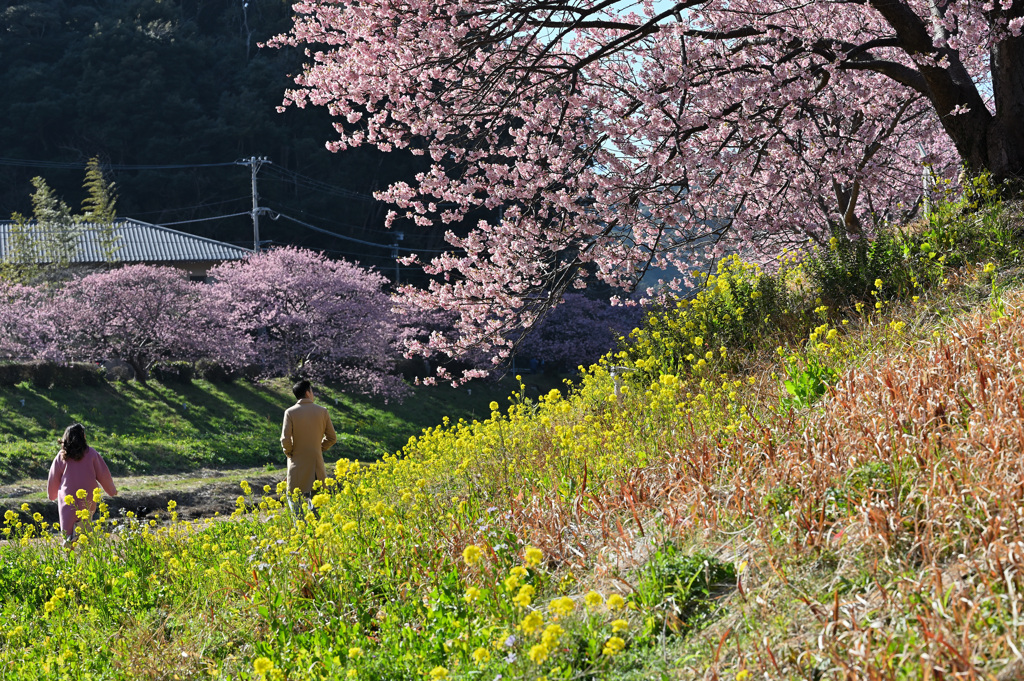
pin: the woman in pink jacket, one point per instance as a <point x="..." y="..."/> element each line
<point x="77" y="466"/>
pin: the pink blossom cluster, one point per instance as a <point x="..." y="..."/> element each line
<point x="288" y="312"/>
<point x="139" y="314"/>
<point x="578" y="332"/>
<point x="608" y="137"/>
<point x="294" y="312"/>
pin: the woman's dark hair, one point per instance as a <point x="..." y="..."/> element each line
<point x="73" y="445"/>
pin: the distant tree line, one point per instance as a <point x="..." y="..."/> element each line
<point x="183" y="82"/>
<point x="285" y="312"/>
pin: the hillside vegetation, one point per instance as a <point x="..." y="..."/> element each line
<point x="807" y="474"/>
<point x="176" y="427"/>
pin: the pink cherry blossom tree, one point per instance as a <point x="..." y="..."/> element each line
<point x="297" y="313"/>
<point x="139" y="314"/>
<point x="609" y="137"/>
<point x="26" y="330"/>
<point x="578" y="332"/>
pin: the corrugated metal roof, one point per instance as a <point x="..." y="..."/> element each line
<point x="141" y="242"/>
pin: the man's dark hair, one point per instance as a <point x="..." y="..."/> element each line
<point x="301" y="388"/>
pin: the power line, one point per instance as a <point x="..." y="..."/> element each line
<point x="180" y="209"/>
<point x="339" y="223"/>
<point x="391" y="247"/>
<point x="74" y="165"/>
<point x="216" y="217"/>
<point x="335" y="234"/>
<point x="312" y="183"/>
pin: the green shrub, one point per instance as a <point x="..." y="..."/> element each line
<point x="963" y="228"/>
<point x="215" y="372"/>
<point x="849" y="271"/>
<point x="683" y="590"/>
<point x="45" y="374"/>
<point x="77" y="374"/>
<point x="11" y="374"/>
<point x="41" y="374"/>
<point x="172" y="372"/>
<point x="122" y="373"/>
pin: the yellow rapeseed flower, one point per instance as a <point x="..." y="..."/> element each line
<point x="438" y="673"/>
<point x="593" y="600"/>
<point x="262" y="665"/>
<point x="532" y="622"/>
<point x="24" y="508"/>
<point x="81" y="494"/>
<point x="616" y="602"/>
<point x="562" y="606"/>
<point x="533" y="555"/>
<point x="614" y="646"/>
<point x="619" y="625"/>
<point x="353" y="653"/>
<point x="472" y="594"/>
<point x="539" y="653"/>
<point x="525" y="596"/>
<point x="472" y="554"/>
<point x="481" y="655"/>
<point x="551" y="635"/>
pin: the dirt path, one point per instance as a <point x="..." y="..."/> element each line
<point x="199" y="494"/>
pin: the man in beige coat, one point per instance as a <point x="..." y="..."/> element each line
<point x="306" y="434"/>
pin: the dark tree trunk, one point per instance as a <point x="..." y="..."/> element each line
<point x="984" y="142"/>
<point x="987" y="142"/>
<point x="141" y="375"/>
<point x="1006" y="134"/>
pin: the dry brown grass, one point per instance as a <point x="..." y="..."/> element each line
<point x="880" y="530"/>
<point x="905" y="482"/>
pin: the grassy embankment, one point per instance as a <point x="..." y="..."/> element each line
<point x="153" y="428"/>
<point x="814" y="474"/>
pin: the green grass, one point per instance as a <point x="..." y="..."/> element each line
<point x="158" y="428"/>
<point x="695" y="522"/>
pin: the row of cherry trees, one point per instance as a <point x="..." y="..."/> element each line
<point x="287" y="312"/>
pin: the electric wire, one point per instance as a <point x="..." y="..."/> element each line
<point x="312" y="183"/>
<point x="215" y="217"/>
<point x="76" y="165"/>
<point x="358" y="241"/>
<point x="247" y="197"/>
<point x="320" y="218"/>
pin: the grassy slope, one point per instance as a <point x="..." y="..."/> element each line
<point x="156" y="428"/>
<point x="872" y="533"/>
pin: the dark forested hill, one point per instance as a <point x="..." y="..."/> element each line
<point x="184" y="83"/>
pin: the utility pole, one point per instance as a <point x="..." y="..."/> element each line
<point x="254" y="164"/>
<point x="394" y="253"/>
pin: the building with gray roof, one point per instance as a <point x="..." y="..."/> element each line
<point x="132" y="242"/>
